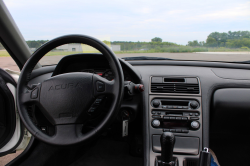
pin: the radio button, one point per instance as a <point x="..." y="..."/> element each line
<point x="194" y="118"/>
<point x="185" y="114"/>
<point x="153" y="112"/>
<point x="156" y="123"/>
<point x="196" y="114"/>
<point x="178" y="118"/>
<point x="191" y="114"/>
<point x="165" y="130"/>
<point x="156" y="103"/>
<point x="170" y="106"/>
<point x="184" y="131"/>
<point x="172" y="130"/>
<point x="159" y="113"/>
<point x="178" y="131"/>
<point x="184" y="118"/>
<point x="172" y="118"/>
<point x="185" y="107"/>
<point x="156" y="116"/>
<point x="166" y="117"/>
<point x="164" y="106"/>
<point x="195" y="125"/>
<point x="194" y="104"/>
<point x="179" y="107"/>
<point x="175" y="107"/>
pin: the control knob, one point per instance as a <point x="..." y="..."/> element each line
<point x="156" y="123"/>
<point x="156" y="103"/>
<point x="195" y="125"/>
<point x="194" y="104"/>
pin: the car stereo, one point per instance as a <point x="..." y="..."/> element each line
<point x="178" y="116"/>
<point x="175" y="104"/>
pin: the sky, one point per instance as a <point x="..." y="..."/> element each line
<point x="177" y="21"/>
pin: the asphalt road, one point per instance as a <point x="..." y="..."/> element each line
<point x="6" y="159"/>
<point x="215" y="56"/>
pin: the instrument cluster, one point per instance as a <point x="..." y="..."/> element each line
<point x="106" y="73"/>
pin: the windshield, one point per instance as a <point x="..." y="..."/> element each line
<point x="172" y="30"/>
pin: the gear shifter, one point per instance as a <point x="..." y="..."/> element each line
<point x="167" y="146"/>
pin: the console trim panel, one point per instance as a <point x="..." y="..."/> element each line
<point x="159" y="131"/>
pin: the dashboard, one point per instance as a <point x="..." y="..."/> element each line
<point x="204" y="79"/>
<point x="105" y="73"/>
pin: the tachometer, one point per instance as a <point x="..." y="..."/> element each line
<point x="110" y="76"/>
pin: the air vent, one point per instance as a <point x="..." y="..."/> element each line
<point x="188" y="87"/>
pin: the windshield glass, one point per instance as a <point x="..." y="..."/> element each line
<point x="174" y="30"/>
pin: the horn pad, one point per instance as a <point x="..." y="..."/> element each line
<point x="65" y="97"/>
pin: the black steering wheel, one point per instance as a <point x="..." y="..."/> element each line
<point x="66" y="100"/>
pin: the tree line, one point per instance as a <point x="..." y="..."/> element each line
<point x="236" y="39"/>
<point x="125" y="45"/>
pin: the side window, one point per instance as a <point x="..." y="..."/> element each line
<point x="6" y="61"/>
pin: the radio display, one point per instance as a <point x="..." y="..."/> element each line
<point x="177" y="103"/>
<point x="175" y="125"/>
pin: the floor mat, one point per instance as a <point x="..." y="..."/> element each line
<point x="109" y="153"/>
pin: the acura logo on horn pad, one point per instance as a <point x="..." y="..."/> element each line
<point x="64" y="86"/>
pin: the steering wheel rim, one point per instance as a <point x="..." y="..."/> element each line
<point x="69" y="114"/>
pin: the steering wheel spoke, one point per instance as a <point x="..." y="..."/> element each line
<point x="69" y="132"/>
<point x="103" y="86"/>
<point x="30" y="95"/>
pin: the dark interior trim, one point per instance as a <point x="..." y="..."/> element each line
<point x="10" y="107"/>
<point x="207" y="100"/>
<point x="18" y="143"/>
<point x="6" y="78"/>
<point x="42" y="70"/>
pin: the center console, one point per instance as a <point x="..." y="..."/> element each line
<point x="175" y="106"/>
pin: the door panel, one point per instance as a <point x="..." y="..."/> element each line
<point x="11" y="130"/>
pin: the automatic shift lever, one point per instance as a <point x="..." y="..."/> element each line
<point x="167" y="146"/>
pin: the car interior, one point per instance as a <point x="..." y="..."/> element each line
<point x="97" y="109"/>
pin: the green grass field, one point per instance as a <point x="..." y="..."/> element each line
<point x="179" y="49"/>
<point x="4" y="53"/>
